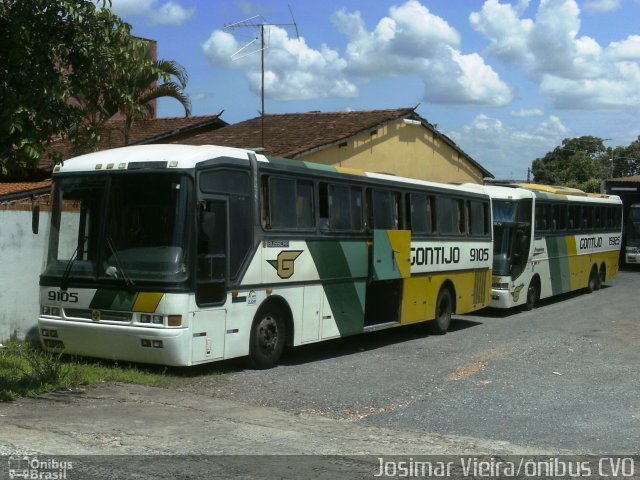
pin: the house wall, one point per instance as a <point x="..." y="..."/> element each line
<point x="400" y="149"/>
<point x="21" y="255"/>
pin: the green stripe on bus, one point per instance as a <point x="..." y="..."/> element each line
<point x="112" y="300"/>
<point x="558" y="265"/>
<point x="347" y="304"/>
<point x="341" y="260"/>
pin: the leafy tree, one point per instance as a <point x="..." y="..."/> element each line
<point x="52" y="52"/>
<point x="580" y="162"/>
<point x="139" y="77"/>
<point x="625" y="161"/>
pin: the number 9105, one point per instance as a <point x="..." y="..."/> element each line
<point x="57" y="296"/>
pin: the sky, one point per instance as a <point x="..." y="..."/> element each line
<point x="506" y="80"/>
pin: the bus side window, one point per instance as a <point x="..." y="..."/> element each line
<point x="287" y="203"/>
<point x="574" y="217"/>
<point x="450" y="216"/>
<point x="587" y="217"/>
<point x="385" y="213"/>
<point x="341" y="208"/>
<point x="478" y="218"/>
<point x="559" y="217"/>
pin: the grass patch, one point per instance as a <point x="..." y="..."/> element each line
<point x="26" y="370"/>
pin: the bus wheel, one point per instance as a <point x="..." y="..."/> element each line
<point x="267" y="338"/>
<point x="444" y="308"/>
<point x="593" y="280"/>
<point x="602" y="277"/>
<point x="532" y="296"/>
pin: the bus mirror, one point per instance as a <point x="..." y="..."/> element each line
<point x="35" y="217"/>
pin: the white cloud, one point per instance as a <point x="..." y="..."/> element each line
<point x="167" y="13"/>
<point x="628" y="49"/>
<point x="411" y="41"/>
<point x="293" y="70"/>
<point x="507" y="33"/>
<point x="530" y="112"/>
<point x="506" y="150"/>
<point x="598" y="6"/>
<point x="574" y="71"/>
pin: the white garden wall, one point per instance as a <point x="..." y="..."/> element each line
<point x="21" y="256"/>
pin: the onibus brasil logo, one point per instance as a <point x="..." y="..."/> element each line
<point x="31" y="467"/>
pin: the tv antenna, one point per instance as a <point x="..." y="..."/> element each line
<point x="258" y="23"/>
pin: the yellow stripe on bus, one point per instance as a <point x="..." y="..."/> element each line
<point x="147" y="302"/>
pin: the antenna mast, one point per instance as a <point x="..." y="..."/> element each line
<point x="258" y="22"/>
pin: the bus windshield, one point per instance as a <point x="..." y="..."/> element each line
<point x="118" y="228"/>
<point x="633" y="226"/>
<point x="511" y="236"/>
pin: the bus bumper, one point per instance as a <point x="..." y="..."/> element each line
<point x="501" y="298"/>
<point x="126" y="343"/>
<point x="632" y="255"/>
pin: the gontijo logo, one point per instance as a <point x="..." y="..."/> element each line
<point x="285" y="263"/>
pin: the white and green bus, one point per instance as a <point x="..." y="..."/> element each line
<point x="551" y="240"/>
<point x="180" y="255"/>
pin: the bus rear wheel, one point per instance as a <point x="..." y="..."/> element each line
<point x="267" y="338"/>
<point x="594" y="281"/>
<point x="444" y="309"/>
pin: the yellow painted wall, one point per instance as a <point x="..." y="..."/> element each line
<point x="404" y="150"/>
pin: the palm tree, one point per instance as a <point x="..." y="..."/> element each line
<point x="147" y="80"/>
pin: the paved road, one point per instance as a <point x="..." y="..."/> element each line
<point x="561" y="378"/>
<point x="564" y="376"/>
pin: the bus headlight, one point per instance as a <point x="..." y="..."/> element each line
<point x="48" y="311"/>
<point x="500" y="285"/>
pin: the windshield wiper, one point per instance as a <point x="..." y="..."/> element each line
<point x="112" y="272"/>
<point x="64" y="284"/>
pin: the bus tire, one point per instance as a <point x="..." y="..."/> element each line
<point x="593" y="280"/>
<point x="532" y="296"/>
<point x="444" y="309"/>
<point x="602" y="276"/>
<point x="267" y="339"/>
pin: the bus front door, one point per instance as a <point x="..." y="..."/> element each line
<point x="211" y="280"/>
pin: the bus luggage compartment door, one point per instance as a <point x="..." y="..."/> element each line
<point x="208" y="329"/>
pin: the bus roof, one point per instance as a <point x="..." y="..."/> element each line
<point x="528" y="190"/>
<point x="189" y="156"/>
<point x="175" y="156"/>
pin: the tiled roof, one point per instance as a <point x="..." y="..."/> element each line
<point x="21" y="189"/>
<point x="292" y="135"/>
<point x="143" y="131"/>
